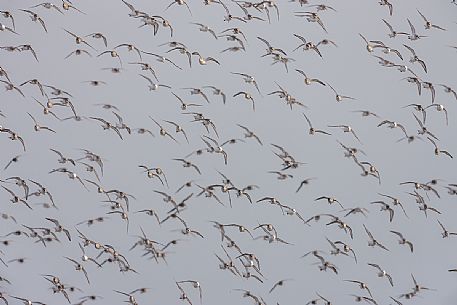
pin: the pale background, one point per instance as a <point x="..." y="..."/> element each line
<point x="349" y="68"/>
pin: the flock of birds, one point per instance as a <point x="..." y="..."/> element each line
<point x="213" y="197"/>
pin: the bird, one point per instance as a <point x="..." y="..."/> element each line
<point x="339" y="97"/>
<point x="382" y="273"/>
<point x="312" y="17"/>
<point x="204" y="60"/>
<point x="10" y="86"/>
<point x="49" y="6"/>
<point x="130" y="47"/>
<point x="235" y="31"/>
<point x="393" y="33"/>
<point x="428" y="24"/>
<point x="304" y="182"/>
<point x="392" y="125"/>
<point x="6" y="28"/>
<point x="183" y="104"/>
<point x="112" y="53"/>
<point x="162" y="131"/>
<point x="98" y="35"/>
<point x="205" y="28"/>
<point x="36" y="83"/>
<point x="131" y="297"/>
<point x="415" y="58"/>
<point x="386" y="49"/>
<point x="429" y="86"/>
<point x="62" y="159"/>
<point x="178" y="129"/>
<point x="312" y="130"/>
<point x="281" y="175"/>
<point x="197" y="91"/>
<point x="307" y="45"/>
<point x="195" y="284"/>
<point x="346" y="128"/>
<point x="439" y="107"/>
<point x="417" y="287"/>
<point x="403" y="241"/>
<point x="78" y="52"/>
<point x="385" y="207"/>
<point x="416" y="81"/>
<point x="59" y="228"/>
<point x="217" y="91"/>
<point x="79" y="267"/>
<point x="164" y="22"/>
<point x="16" y="199"/>
<point x="448" y="89"/>
<point x="236" y="48"/>
<point x="278" y="58"/>
<point x="423" y="129"/>
<point x="153" y="86"/>
<point x="249" y="79"/>
<point x="186" y="163"/>
<point x="419" y="108"/>
<point x="36" y="18"/>
<point x="15" y="159"/>
<point x="388" y="4"/>
<point x="38" y="127"/>
<point x="373" y="242"/>
<point x="13" y="136"/>
<point x="66" y="5"/>
<point x="250" y="134"/>
<point x="439" y="151"/>
<point x="359" y="298"/>
<point x="3" y="73"/>
<point x="369" y="45"/>
<point x="341" y="225"/>
<point x="79" y="39"/>
<point x="95" y="83"/>
<point x="146" y="67"/>
<point x="270" y="49"/>
<point x="228" y="265"/>
<point x="26" y="301"/>
<point x="445" y="233"/>
<point x="395" y="201"/>
<point x="180" y="3"/>
<point x="362" y="285"/>
<point x="247" y="96"/>
<point x="108" y="125"/>
<point x="330" y="200"/>
<point x="278" y="284"/>
<point x="309" y="81"/>
<point x="8" y="15"/>
<point x="71" y="175"/>
<point x="123" y="215"/>
<point x="413" y="36"/>
<point x="163" y="59"/>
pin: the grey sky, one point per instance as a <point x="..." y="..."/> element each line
<point x="349" y="68"/>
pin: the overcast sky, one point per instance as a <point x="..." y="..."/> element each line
<point x="349" y="68"/>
